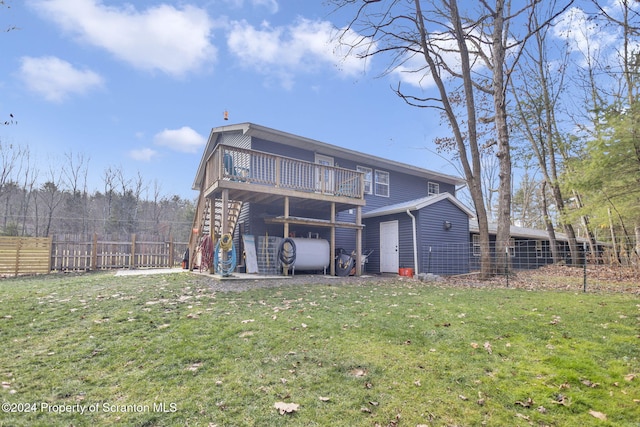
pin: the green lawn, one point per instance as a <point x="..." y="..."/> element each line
<point x="165" y="350"/>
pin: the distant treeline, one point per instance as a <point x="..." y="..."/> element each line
<point x="39" y="203"/>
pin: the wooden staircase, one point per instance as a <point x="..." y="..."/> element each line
<point x="233" y="214"/>
<point x="208" y="220"/>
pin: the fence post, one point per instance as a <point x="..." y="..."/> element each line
<point x="94" y="252"/>
<point x="17" y="260"/>
<point x="50" y="243"/>
<point x="506" y="264"/>
<point x="132" y="259"/>
<point x="170" y="257"/>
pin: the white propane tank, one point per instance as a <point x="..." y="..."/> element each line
<point x="311" y="254"/>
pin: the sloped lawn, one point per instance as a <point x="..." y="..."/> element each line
<point x="97" y="349"/>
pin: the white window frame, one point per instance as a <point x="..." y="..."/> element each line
<point x="539" y="249"/>
<point x="368" y="183"/>
<point x="324" y="183"/>
<point x="377" y="183"/>
<point x="475" y="239"/>
<point x="433" y="185"/>
<point x="512" y="247"/>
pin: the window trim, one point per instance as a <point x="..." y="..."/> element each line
<point x="437" y="187"/>
<point x="475" y="243"/>
<point x="387" y="184"/>
<point x="512" y="247"/>
<point x="365" y="170"/>
<point x="539" y="249"/>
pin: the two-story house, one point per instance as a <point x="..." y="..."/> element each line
<point x="268" y="184"/>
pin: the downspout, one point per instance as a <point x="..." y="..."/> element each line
<point x="415" y="241"/>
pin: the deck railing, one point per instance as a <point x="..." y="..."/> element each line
<point x="254" y="167"/>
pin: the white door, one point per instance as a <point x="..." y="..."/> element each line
<point x="324" y="176"/>
<point x="389" y="257"/>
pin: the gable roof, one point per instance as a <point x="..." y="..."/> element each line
<point x="262" y="132"/>
<point x="417" y="204"/>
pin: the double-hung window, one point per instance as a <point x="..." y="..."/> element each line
<point x="433" y="188"/>
<point x="382" y="183"/>
<point x="476" y="244"/>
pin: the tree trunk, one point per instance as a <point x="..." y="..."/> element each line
<point x="553" y="242"/>
<point x="503" y="234"/>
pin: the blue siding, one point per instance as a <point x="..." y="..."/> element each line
<point x="443" y="251"/>
<point x="371" y="240"/>
<point x="282" y="150"/>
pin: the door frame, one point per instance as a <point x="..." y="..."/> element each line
<point x="389" y="237"/>
<point x="323" y="160"/>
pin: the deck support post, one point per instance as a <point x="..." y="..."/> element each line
<point x="332" y="244"/>
<point x="285" y="271"/>
<point x="359" y="241"/>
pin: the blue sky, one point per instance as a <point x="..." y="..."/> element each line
<point x="138" y="85"/>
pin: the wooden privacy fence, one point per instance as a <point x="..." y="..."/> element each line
<point x="25" y="255"/>
<point x="39" y="255"/>
<point x="103" y="254"/>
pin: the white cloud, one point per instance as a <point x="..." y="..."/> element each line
<point x="184" y="139"/>
<point x="55" y="79"/>
<point x="164" y="38"/>
<point x="414" y="69"/>
<point x="143" y="154"/>
<point x="583" y="34"/>
<point x="306" y="46"/>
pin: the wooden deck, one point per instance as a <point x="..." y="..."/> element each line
<point x="252" y="176"/>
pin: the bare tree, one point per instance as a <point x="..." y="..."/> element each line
<point x="74" y="178"/>
<point x="538" y="94"/>
<point x="51" y="195"/>
<point x="468" y="52"/>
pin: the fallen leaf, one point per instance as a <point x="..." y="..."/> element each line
<point x="561" y="399"/>
<point x="417" y="383"/>
<point x="286" y="408"/>
<point x="324" y="399"/>
<point x="248" y="321"/>
<point x="474" y="345"/>
<point x="358" y="372"/>
<point x="589" y="383"/>
<point x="630" y="377"/>
<point x="194" y="367"/>
<point x="461" y="397"/>
<point x="526" y="404"/>
<point x="598" y="415"/>
<point x="487" y="346"/>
